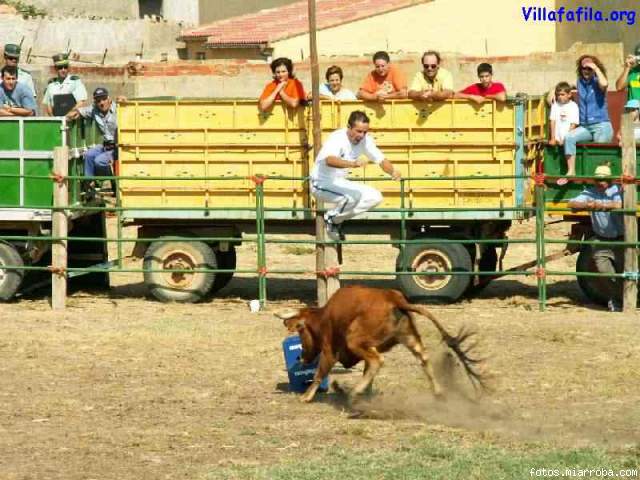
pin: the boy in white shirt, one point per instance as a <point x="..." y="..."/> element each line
<point x="339" y="153"/>
<point x="564" y="115"/>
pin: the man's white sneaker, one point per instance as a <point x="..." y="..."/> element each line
<point x="613" y="306"/>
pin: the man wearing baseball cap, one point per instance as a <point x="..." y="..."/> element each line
<point x="630" y="76"/>
<point x="98" y="159"/>
<point x="64" y="91"/>
<point x="600" y="199"/>
<point x="11" y="59"/>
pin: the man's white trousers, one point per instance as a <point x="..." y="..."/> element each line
<point x="350" y="198"/>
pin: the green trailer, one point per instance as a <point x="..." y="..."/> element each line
<point x="588" y="157"/>
<point x="26" y="197"/>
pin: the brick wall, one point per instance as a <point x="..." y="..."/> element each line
<point x="533" y="74"/>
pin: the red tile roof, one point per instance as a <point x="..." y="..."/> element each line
<point x="291" y="20"/>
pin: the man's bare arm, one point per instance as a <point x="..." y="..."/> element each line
<point x="364" y="95"/>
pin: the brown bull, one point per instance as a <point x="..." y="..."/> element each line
<point x="360" y="323"/>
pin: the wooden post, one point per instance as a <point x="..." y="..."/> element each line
<point x="630" y="289"/>
<point x="60" y="228"/>
<point x="326" y="255"/>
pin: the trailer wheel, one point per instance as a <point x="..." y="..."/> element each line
<point x="185" y="287"/>
<point x="488" y="263"/>
<point x="592" y="287"/>
<point x="226" y="260"/>
<point x="10" y="280"/>
<point x="434" y="257"/>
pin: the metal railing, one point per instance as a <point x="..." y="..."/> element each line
<point x="262" y="237"/>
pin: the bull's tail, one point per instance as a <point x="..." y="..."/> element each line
<point x="455" y="343"/>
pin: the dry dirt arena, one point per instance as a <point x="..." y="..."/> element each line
<point x="120" y="386"/>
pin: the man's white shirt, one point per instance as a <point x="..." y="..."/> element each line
<point x="338" y="145"/>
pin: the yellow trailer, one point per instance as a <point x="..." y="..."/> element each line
<point x="189" y="167"/>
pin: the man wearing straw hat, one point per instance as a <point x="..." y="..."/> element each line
<point x="600" y="199"/>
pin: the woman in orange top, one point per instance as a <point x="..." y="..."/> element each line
<point x="283" y="86"/>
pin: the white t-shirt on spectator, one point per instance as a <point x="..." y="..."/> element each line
<point x="343" y="94"/>
<point x="564" y="114"/>
<point x="338" y="145"/>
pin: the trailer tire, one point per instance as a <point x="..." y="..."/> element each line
<point x="591" y="287"/>
<point x="225" y="260"/>
<point x="433" y="256"/>
<point x="179" y="255"/>
<point x="10" y="280"/>
<point x="488" y="263"/>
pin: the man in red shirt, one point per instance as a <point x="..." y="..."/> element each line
<point x="487" y="89"/>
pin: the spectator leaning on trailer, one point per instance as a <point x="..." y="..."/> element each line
<point x="630" y="76"/>
<point x="65" y="91"/>
<point x="485" y="89"/>
<point x="385" y="82"/>
<point x="284" y="87"/>
<point x="11" y="59"/>
<point x="432" y="82"/>
<point x="600" y="200"/>
<point x="333" y="89"/>
<point x="342" y="151"/>
<point x="98" y="159"/>
<point x="16" y="99"/>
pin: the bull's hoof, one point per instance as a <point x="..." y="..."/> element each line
<point x="439" y="395"/>
<point x="337" y="388"/>
<point x="306" y="398"/>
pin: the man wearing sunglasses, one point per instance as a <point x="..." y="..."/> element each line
<point x="65" y="91"/>
<point x="433" y="82"/>
<point x="98" y="159"/>
<point x="11" y="59"/>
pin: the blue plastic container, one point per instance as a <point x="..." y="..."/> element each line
<point x="300" y="374"/>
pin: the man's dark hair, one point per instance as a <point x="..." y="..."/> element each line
<point x="563" y="87"/>
<point x="431" y="52"/>
<point x="333" y="69"/>
<point x="10" y="69"/>
<point x="357" y="116"/>
<point x="485" y="68"/>
<point x="381" y="55"/>
<point x="288" y="64"/>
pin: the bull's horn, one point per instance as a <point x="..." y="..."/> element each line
<point x="286" y="314"/>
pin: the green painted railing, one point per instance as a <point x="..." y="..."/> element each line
<point x="262" y="239"/>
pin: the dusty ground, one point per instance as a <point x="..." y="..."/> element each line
<point x="123" y="387"/>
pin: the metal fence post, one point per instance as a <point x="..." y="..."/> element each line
<point x="261" y="246"/>
<point x="60" y="227"/>
<point x="540" y="270"/>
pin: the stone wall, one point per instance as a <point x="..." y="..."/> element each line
<point x="97" y="8"/>
<point x="533" y="74"/>
<point x="88" y="38"/>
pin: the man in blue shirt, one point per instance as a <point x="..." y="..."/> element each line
<point x="98" y="159"/>
<point x="607" y="226"/>
<point x="16" y="99"/>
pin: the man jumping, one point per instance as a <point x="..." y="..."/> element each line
<point x="341" y="152"/>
